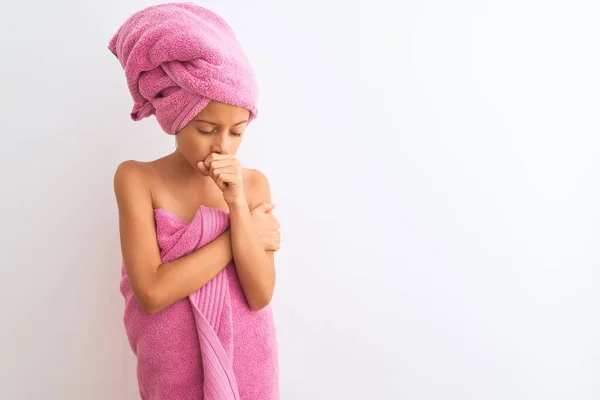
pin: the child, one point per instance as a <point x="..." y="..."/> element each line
<point x="197" y="232"/>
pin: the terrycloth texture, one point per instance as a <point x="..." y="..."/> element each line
<point x="178" y="57"/>
<point x="211" y="345"/>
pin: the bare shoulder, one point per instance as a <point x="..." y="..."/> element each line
<point x="257" y="186"/>
<point x="132" y="180"/>
<point x="131" y="171"/>
<point x="255" y="180"/>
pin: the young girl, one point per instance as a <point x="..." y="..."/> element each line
<point x="197" y="231"/>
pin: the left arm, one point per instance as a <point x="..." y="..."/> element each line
<point x="254" y="232"/>
<point x="255" y="266"/>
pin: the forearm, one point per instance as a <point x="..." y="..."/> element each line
<point x="254" y="265"/>
<point x="178" y="279"/>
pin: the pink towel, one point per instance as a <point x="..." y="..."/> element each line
<point x="177" y="58"/>
<point x="208" y="346"/>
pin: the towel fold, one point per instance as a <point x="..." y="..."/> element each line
<point x="210" y="345"/>
<point x="177" y="58"/>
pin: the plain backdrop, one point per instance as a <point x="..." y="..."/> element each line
<point x="435" y="166"/>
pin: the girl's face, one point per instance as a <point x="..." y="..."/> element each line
<point x="218" y="128"/>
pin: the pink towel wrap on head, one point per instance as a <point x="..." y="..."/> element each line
<point x="178" y="57"/>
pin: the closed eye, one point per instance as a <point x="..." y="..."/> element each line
<point x="206" y="132"/>
<point x="214" y="131"/>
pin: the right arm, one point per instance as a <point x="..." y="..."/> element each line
<point x="154" y="284"/>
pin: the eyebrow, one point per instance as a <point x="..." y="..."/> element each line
<point x="215" y="124"/>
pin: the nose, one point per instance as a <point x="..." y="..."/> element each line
<point x="221" y="144"/>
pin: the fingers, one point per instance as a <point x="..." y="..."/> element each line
<point x="227" y="159"/>
<point x="274" y="221"/>
<point x="214" y="172"/>
<point x="219" y="156"/>
<point x="264" y="207"/>
<point x="215" y="156"/>
<point x="271" y="239"/>
<point x="216" y="165"/>
<point x="223" y="179"/>
<point x="226" y="174"/>
<point x="215" y="160"/>
<point x="274" y="246"/>
<point x="202" y="168"/>
<point x="275" y="242"/>
<point x="228" y="162"/>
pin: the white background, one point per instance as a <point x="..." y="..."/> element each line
<point x="435" y="166"/>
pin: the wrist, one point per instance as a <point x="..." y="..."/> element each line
<point x="240" y="204"/>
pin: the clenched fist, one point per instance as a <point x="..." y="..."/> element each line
<point x="226" y="171"/>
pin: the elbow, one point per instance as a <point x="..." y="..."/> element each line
<point x="262" y="297"/>
<point x="151" y="308"/>
<point x="150" y="302"/>
<point x="261" y="302"/>
<point x="257" y="306"/>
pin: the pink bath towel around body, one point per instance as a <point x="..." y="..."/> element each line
<point x="211" y="345"/>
